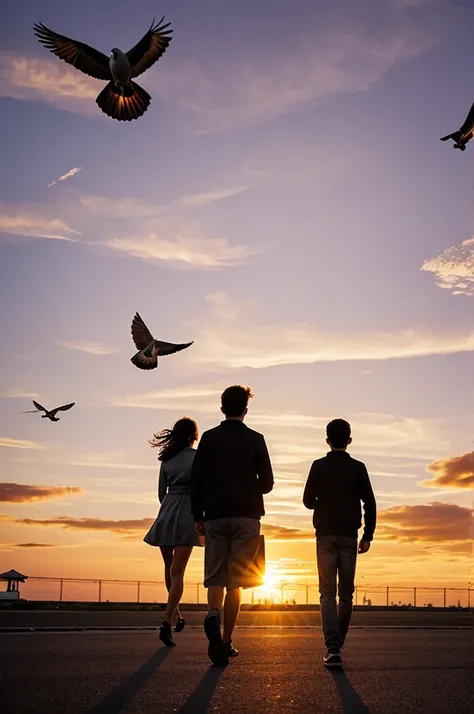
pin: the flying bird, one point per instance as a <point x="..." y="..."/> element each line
<point x="49" y="414"/>
<point x="150" y="349"/>
<point x="465" y="133"/>
<point x="121" y="99"/>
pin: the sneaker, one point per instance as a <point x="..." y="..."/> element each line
<point x="218" y="653"/>
<point x="231" y="651"/>
<point x="166" y="636"/>
<point x="333" y="660"/>
<point x="179" y="627"/>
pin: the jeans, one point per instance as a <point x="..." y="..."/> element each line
<point x="336" y="556"/>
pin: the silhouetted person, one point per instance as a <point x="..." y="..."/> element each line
<point x="336" y="485"/>
<point x="173" y="530"/>
<point x="231" y="471"/>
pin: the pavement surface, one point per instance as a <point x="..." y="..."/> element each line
<point x="386" y="672"/>
<point x="367" y="618"/>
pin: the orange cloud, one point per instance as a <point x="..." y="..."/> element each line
<point x="34" y="545"/>
<point x="21" y="493"/>
<point x="457" y="471"/>
<point x="432" y="523"/>
<point x="90" y="524"/>
<point x="273" y="532"/>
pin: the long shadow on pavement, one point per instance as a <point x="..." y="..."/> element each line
<point x="350" y="700"/>
<point x="117" y="700"/>
<point x="200" y="699"/>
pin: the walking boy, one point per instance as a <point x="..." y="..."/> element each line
<point x="336" y="485"/>
<point x="231" y="471"/>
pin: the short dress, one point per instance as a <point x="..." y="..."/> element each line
<point x="174" y="524"/>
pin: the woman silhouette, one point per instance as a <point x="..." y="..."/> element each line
<point x="173" y="530"/>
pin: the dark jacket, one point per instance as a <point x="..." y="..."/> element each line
<point x="231" y="470"/>
<point x="336" y="485"/>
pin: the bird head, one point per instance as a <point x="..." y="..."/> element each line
<point x="114" y="53"/>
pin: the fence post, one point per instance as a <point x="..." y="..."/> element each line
<point x="197" y="593"/>
<point x="138" y="591"/>
<point x="307" y="594"/>
<point x="388" y="589"/>
<point x="61" y="590"/>
<point x="414" y="597"/>
<point x="100" y="590"/>
<point x="444" y="597"/>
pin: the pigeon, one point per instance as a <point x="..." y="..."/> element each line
<point x="150" y="349"/>
<point x="52" y="414"/>
<point x="465" y="133"/>
<point x="121" y="99"/>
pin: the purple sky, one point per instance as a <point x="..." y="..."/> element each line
<point x="276" y="203"/>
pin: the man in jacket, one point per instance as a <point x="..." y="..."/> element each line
<point x="231" y="472"/>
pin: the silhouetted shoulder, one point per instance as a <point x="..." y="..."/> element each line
<point x="254" y="434"/>
<point x="319" y="462"/>
<point x="360" y="464"/>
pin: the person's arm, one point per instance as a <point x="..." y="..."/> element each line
<point x="196" y="485"/>
<point x="264" y="468"/>
<point x="370" y="509"/>
<point x="310" y="495"/>
<point x="162" y="483"/>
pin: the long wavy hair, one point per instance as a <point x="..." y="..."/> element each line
<point x="171" y="441"/>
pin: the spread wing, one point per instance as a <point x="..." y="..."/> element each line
<point x="65" y="407"/>
<point x="150" y="48"/>
<point x="38" y="406"/>
<point x="169" y="348"/>
<point x="80" y="55"/>
<point x="141" y="335"/>
<point x="469" y="123"/>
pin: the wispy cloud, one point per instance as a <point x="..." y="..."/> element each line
<point x="67" y="175"/>
<point x="201" y="398"/>
<point x="185" y="250"/>
<point x="25" y="493"/>
<point x="233" y="340"/>
<point x="20" y="394"/>
<point x="113" y="460"/>
<point x="34" y="225"/>
<point x="47" y="80"/>
<point x="457" y="471"/>
<point x="122" y="527"/>
<point x="34" y="545"/>
<point x="454" y="268"/>
<point x="92" y="348"/>
<point x="8" y="443"/>
<point x="133" y="208"/>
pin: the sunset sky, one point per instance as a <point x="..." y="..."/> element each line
<point x="286" y="203"/>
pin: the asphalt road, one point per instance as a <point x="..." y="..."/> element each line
<point x="387" y="672"/>
<point x="68" y="618"/>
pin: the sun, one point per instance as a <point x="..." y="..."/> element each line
<point x="270" y="580"/>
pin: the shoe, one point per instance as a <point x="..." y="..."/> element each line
<point x="166" y="636"/>
<point x="217" y="651"/>
<point x="179" y="627"/>
<point x="333" y="660"/>
<point x="231" y="651"/>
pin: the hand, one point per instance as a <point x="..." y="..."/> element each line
<point x="200" y="530"/>
<point x="364" y="546"/>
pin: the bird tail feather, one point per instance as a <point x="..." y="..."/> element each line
<point x="131" y="105"/>
<point x="139" y="362"/>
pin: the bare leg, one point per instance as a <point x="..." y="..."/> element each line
<point x="167" y="555"/>
<point x="215" y="597"/>
<point x="180" y="560"/>
<point x="231" y="612"/>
